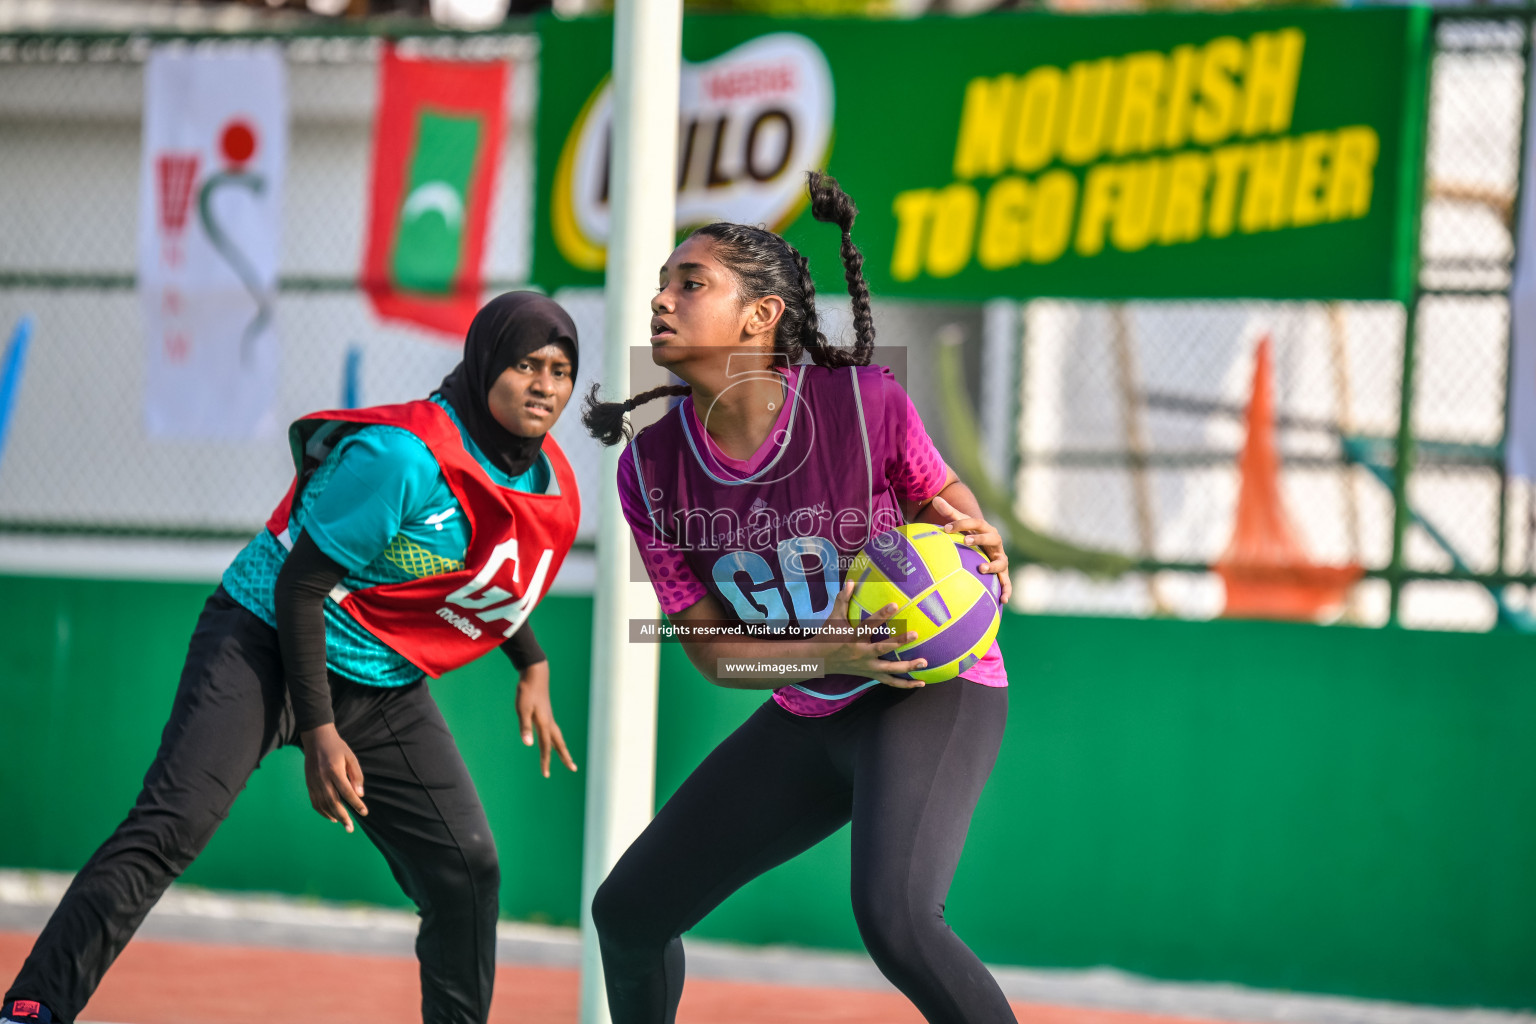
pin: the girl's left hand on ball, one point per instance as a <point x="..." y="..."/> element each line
<point x="982" y="535"/>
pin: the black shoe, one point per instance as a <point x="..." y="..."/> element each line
<point x="25" y="1011"/>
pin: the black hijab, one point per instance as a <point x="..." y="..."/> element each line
<point x="505" y="330"/>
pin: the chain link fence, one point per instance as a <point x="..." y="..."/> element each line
<point x="78" y="460"/>
<point x="1129" y="416"/>
<point x="71" y="111"/>
<point x="1132" y="415"/>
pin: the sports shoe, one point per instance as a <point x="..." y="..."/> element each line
<point x="25" y="1011"/>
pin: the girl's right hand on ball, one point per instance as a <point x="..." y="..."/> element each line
<point x="860" y="656"/>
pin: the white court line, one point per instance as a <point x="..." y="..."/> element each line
<point x="190" y="914"/>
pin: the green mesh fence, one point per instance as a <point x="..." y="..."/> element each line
<point x="1128" y="417"/>
<point x="1132" y="415"/>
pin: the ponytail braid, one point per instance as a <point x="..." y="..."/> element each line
<point x="765" y="264"/>
<point x="608" y="421"/>
<point x="822" y="354"/>
<point x="830" y="204"/>
<point x="811" y="337"/>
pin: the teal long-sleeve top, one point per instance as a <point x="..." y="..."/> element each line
<point x="380" y="507"/>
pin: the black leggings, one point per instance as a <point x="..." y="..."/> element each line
<point x="905" y="766"/>
<point x="230" y="711"/>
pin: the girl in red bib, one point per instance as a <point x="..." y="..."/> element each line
<point x="415" y="538"/>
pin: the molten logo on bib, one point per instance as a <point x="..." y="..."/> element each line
<point x="754" y="119"/>
<point x="459" y="623"/>
<point x="491" y="603"/>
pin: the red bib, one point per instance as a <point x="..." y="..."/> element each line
<point x="517" y="542"/>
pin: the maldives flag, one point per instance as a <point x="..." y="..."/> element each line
<point x="436" y="145"/>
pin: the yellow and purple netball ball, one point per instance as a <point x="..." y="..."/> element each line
<point x="936" y="582"/>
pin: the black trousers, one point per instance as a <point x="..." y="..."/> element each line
<point x="231" y="711"/>
<point x="905" y="766"/>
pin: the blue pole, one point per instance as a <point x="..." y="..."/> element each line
<point x="10" y="375"/>
<point x="351" y="378"/>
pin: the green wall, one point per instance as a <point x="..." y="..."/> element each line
<point x="1330" y="810"/>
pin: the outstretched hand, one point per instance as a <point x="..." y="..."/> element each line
<point x="537" y="718"/>
<point x="332" y="775"/>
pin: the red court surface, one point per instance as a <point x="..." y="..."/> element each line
<point x="186" y="983"/>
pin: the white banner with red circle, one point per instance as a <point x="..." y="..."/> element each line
<point x="210" y="209"/>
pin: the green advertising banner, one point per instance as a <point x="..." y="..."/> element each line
<point x="1271" y="154"/>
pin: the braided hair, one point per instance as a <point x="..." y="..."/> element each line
<point x="763" y="264"/>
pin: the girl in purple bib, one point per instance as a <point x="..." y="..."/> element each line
<point x="748" y="499"/>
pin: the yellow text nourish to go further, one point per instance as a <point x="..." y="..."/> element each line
<point x="1121" y="106"/>
<point x="1218" y="108"/>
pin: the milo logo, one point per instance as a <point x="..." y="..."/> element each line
<point x="753" y="121"/>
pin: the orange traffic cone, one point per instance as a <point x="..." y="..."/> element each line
<point x="1266" y="571"/>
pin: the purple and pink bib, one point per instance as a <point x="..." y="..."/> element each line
<point x="771" y="536"/>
